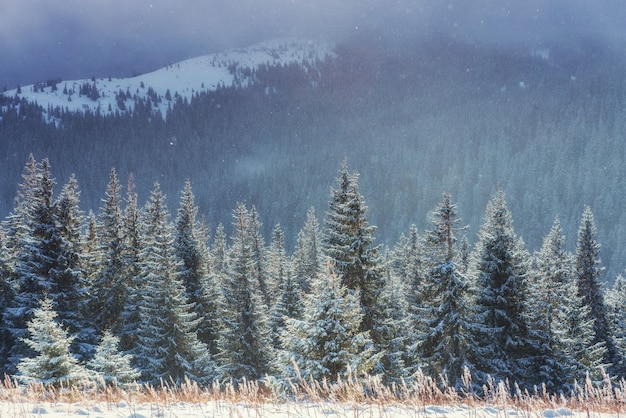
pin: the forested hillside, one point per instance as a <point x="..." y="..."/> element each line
<point x="416" y="119"/>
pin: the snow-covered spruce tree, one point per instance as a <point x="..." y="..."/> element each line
<point x="167" y="343"/>
<point x="307" y="255"/>
<point x="328" y="342"/>
<point x="245" y="345"/>
<point x="405" y="297"/>
<point x="288" y="296"/>
<point x="399" y="334"/>
<point x="53" y="364"/>
<point x="109" y="288"/>
<point x="446" y="345"/>
<point x="113" y="367"/>
<point x="48" y="258"/>
<point x="7" y="293"/>
<point x="259" y="256"/>
<point x="218" y="274"/>
<point x="504" y="350"/>
<point x="464" y="255"/>
<point x="550" y="286"/>
<point x="90" y="260"/>
<point x="411" y="268"/>
<point x="31" y="229"/>
<point x="616" y="304"/>
<point x="288" y="305"/>
<point x="349" y="245"/>
<point x="190" y="243"/>
<point x="16" y="224"/>
<point x="131" y="248"/>
<point x="209" y="329"/>
<point x="16" y="227"/>
<point x="278" y="266"/>
<point x="69" y="282"/>
<point x="341" y="230"/>
<point x="219" y="254"/>
<point x="562" y="351"/>
<point x="588" y="273"/>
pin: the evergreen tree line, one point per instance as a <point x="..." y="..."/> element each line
<point x="131" y="294"/>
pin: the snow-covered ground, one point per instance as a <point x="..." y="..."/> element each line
<point x="204" y="73"/>
<point x="219" y="409"/>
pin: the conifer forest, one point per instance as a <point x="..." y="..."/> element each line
<point x="375" y="216"/>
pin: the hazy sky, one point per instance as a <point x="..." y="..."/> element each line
<point x="41" y="39"/>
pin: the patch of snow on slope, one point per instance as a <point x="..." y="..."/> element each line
<point x="204" y="73"/>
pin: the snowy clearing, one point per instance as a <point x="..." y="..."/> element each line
<point x="218" y="409"/>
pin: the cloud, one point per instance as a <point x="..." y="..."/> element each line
<point x="74" y="38"/>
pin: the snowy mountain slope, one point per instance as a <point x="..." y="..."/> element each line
<point x="204" y="73"/>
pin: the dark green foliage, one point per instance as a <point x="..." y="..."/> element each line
<point x="560" y="328"/>
<point x="167" y="342"/>
<point x="131" y="249"/>
<point x="191" y="245"/>
<point x="258" y="257"/>
<point x="504" y="350"/>
<point x="245" y="348"/>
<point x="587" y="274"/>
<point x="349" y="246"/>
<point x="47" y="250"/>
<point x="287" y="298"/>
<point x="308" y="252"/>
<point x="408" y="264"/>
<point x="445" y="339"/>
<point x="70" y="285"/>
<point x="110" y="284"/>
<point x="7" y="293"/>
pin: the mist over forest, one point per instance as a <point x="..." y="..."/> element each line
<point x="415" y="119"/>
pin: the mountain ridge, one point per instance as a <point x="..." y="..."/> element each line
<point x="234" y="67"/>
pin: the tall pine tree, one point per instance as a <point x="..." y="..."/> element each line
<point x="410" y="266"/>
<point x="307" y="255"/>
<point x="245" y="347"/>
<point x="190" y="244"/>
<point x="110" y="285"/>
<point x="167" y="343"/>
<point x="131" y="249"/>
<point x="446" y="346"/>
<point x="588" y="273"/>
<point x="559" y="325"/>
<point x="349" y="245"/>
<point x="69" y="282"/>
<point x="504" y="348"/>
<point x="616" y="302"/>
<point x="288" y="295"/>
<point x="7" y="293"/>
<point x="37" y="253"/>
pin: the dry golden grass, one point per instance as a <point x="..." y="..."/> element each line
<point x="423" y="391"/>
